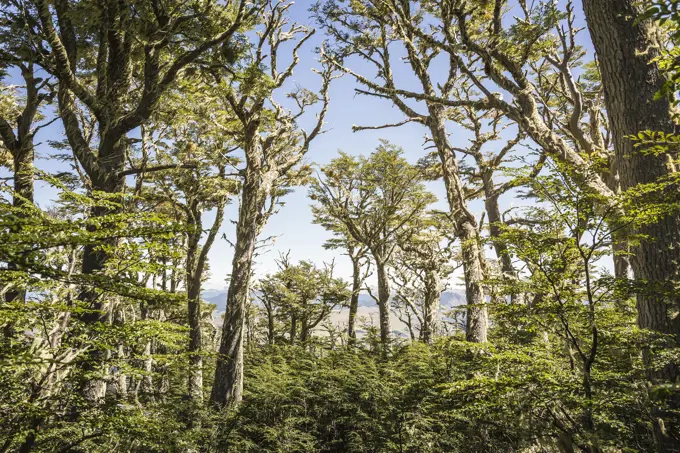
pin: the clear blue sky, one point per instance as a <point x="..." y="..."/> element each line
<point x="293" y="225"/>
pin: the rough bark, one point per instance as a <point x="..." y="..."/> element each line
<point x="193" y="280"/>
<point x="228" y="385"/>
<point x="465" y="229"/>
<point x="384" y="306"/>
<point x="626" y="49"/>
<point x="197" y="257"/>
<point x="493" y="213"/>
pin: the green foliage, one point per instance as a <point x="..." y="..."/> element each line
<point x="667" y="14"/>
<point x="42" y="403"/>
<point x="299" y="297"/>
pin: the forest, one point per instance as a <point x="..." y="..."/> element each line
<point x="443" y="226"/>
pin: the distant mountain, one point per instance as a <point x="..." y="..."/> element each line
<point x="216" y="297"/>
<point x="449" y="299"/>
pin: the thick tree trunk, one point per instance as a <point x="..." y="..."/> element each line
<point x="94" y="262"/>
<point x="476" y="315"/>
<point x="466" y="230"/>
<point x="626" y="49"/>
<point x="228" y="385"/>
<point x="384" y="305"/>
<point x="354" y="300"/>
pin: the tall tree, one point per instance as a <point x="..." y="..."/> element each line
<point x="376" y="198"/>
<point x="422" y="265"/>
<point x="19" y="112"/>
<point x="357" y="253"/>
<point x="628" y="50"/>
<point x="273" y="146"/>
<point x="188" y="141"/>
<point x="117" y="67"/>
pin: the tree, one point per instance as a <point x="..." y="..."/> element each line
<point x="628" y="51"/>
<point x="186" y="140"/>
<point x="421" y="265"/>
<point x="273" y="146"/>
<point x="117" y="67"/>
<point x="358" y="254"/>
<point x="302" y="296"/>
<point x="20" y="113"/>
<point x="376" y="198"/>
<point x="371" y="30"/>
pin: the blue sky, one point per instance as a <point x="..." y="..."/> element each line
<point x="293" y="225"/>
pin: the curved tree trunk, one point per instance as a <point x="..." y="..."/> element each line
<point x="626" y="49"/>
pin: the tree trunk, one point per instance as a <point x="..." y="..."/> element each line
<point x="626" y="49"/>
<point x="228" y="385"/>
<point x="354" y="300"/>
<point x="270" y="324"/>
<point x="23" y="196"/>
<point x="509" y="274"/>
<point x="195" y="338"/>
<point x="384" y="305"/>
<point x="145" y="386"/>
<point x="476" y="314"/>
<point x="21" y="147"/>
<point x="94" y="262"/>
<point x="193" y="282"/>
<point x="431" y="305"/>
<point x="293" y="329"/>
<point x="466" y="230"/>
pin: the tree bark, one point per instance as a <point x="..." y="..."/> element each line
<point x="431" y="305"/>
<point x="354" y="300"/>
<point x="509" y="274"/>
<point x="21" y="147"/>
<point x="466" y="230"/>
<point x="626" y="49"/>
<point x="228" y="385"/>
<point x="195" y="265"/>
<point x="193" y="280"/>
<point x="384" y="305"/>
